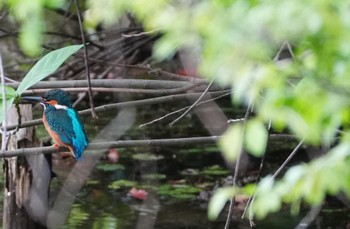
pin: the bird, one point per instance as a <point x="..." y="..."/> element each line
<point x="62" y="121"/>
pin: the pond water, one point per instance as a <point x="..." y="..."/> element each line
<point x="178" y="182"/>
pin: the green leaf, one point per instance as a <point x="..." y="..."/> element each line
<point x="231" y="142"/>
<point x="46" y="66"/>
<point x="267" y="198"/>
<point x="10" y="97"/>
<point x="118" y="184"/>
<point x="219" y="200"/>
<point x="256" y="137"/>
<point x="110" y="167"/>
<point x="10" y="92"/>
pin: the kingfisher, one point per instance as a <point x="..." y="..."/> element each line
<point x="62" y="121"/>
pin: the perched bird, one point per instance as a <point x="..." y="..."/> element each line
<point x="62" y="121"/>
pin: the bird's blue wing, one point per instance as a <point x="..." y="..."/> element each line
<point x="60" y="122"/>
<point x="66" y="123"/>
<point x="79" y="140"/>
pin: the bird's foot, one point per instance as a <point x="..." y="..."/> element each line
<point x="56" y="146"/>
<point x="65" y="155"/>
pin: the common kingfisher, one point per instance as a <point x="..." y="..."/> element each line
<point x="62" y="121"/>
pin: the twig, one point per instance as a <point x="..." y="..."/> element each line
<point x="4" y="107"/>
<point x="235" y="177"/>
<point x="296" y="149"/>
<point x="114" y="144"/>
<point x="140" y="33"/>
<point x="193" y="105"/>
<point x="93" y="113"/>
<point x="179" y="110"/>
<point x="235" y="120"/>
<point x="251" y="222"/>
<point x="278" y="171"/>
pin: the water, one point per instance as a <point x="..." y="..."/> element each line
<point x="179" y="181"/>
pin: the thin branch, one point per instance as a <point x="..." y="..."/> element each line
<point x="114" y="144"/>
<point x="179" y="110"/>
<point x="93" y="113"/>
<point x="193" y="105"/>
<point x="262" y="161"/>
<point x="291" y="155"/>
<point x="140" y="33"/>
<point x="137" y="103"/>
<point x="235" y="177"/>
<point x="4" y="107"/>
<point x="278" y="171"/>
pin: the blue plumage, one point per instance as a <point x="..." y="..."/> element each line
<point x="63" y="122"/>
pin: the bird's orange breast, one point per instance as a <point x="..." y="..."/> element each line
<point x="55" y="136"/>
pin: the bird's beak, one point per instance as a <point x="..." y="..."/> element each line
<point x="33" y="98"/>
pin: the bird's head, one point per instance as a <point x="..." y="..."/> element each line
<point x="56" y="98"/>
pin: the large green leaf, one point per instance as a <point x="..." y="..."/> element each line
<point x="46" y="66"/>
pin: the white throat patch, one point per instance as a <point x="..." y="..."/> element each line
<point x="57" y="106"/>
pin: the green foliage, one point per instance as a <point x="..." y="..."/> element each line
<point x="309" y="96"/>
<point x="256" y="136"/>
<point x="44" y="67"/>
<point x="219" y="200"/>
<point x="238" y="40"/>
<point x="231" y="142"/>
<point x="30" y="14"/>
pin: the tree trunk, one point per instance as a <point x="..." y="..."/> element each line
<point x="27" y="179"/>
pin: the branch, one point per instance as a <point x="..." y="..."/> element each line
<point x="182" y="109"/>
<point x="110" y="83"/>
<point x="193" y="105"/>
<point x="129" y="143"/>
<point x="113" y="144"/>
<point x="137" y="103"/>
<point x="154" y="92"/>
<point x="4" y="107"/>
<point x="93" y="113"/>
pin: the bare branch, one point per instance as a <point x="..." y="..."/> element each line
<point x="4" y="107"/>
<point x="143" y="102"/>
<point x="177" y="111"/>
<point x="113" y="144"/>
<point x="93" y="113"/>
<point x="110" y="83"/>
<point x="193" y="105"/>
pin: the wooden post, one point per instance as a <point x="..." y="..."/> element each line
<point x="27" y="178"/>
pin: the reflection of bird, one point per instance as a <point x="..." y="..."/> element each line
<point x="62" y="121"/>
